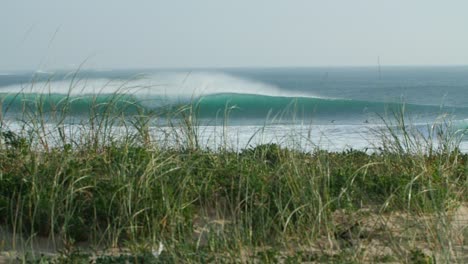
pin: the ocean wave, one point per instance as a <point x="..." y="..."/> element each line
<point x="180" y="84"/>
<point x="248" y="105"/>
<point x="211" y="94"/>
<point x="211" y="106"/>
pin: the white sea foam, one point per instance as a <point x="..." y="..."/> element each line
<point x="237" y="137"/>
<point x="202" y="83"/>
<point x="169" y="84"/>
<point x="302" y="137"/>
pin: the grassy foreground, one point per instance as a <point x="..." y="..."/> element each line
<point x="128" y="199"/>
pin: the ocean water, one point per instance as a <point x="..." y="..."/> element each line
<point x="333" y="108"/>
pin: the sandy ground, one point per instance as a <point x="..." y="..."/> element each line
<point x="392" y="236"/>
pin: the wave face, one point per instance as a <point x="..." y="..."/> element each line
<point x="287" y="109"/>
<point x="348" y="96"/>
<point x="249" y="108"/>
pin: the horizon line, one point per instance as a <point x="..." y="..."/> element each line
<point x="131" y="68"/>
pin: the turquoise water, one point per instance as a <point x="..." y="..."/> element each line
<point x="333" y="98"/>
<point x="347" y="95"/>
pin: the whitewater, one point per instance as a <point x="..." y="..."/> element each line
<point x="330" y="108"/>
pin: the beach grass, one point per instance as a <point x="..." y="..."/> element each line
<point x="118" y="197"/>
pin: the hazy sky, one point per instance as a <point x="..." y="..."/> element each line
<point x="58" y="34"/>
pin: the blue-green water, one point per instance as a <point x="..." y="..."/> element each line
<point x="346" y="96"/>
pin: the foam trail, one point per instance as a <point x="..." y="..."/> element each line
<point x="205" y="83"/>
<point x="171" y="84"/>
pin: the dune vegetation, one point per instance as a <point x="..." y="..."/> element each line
<point x="126" y="197"/>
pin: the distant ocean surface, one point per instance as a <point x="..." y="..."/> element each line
<point x="334" y="108"/>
